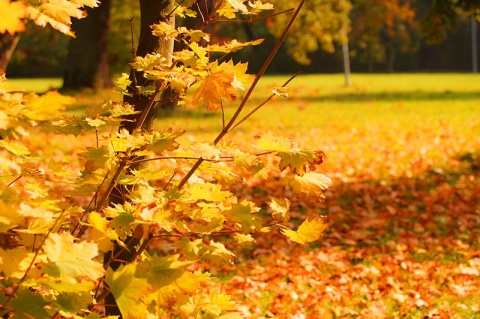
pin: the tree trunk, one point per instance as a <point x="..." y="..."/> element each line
<point x="152" y="12"/>
<point x="87" y="60"/>
<point x="7" y="45"/>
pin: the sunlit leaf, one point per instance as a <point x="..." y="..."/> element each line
<point x="46" y="106"/>
<point x="311" y="185"/>
<point x="280" y="208"/>
<point x="232" y="46"/>
<point x="208" y="191"/>
<point x="128" y="291"/>
<point x="164" y="141"/>
<point x="298" y="160"/>
<point x="238" y="4"/>
<point x="12" y="13"/>
<point x="309" y="230"/>
<point x="62" y="10"/>
<point x="15" y="147"/>
<point x="269" y="142"/>
<point x="221" y="85"/>
<point x="69" y="259"/>
<point x="14" y="262"/>
<point x="280" y="91"/>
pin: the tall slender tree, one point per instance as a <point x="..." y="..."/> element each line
<point x="87" y="60"/>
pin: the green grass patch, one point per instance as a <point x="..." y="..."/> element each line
<point x="38" y="85"/>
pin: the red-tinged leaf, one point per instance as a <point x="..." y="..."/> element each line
<point x="309" y="230"/>
<point x="311" y="186"/>
<point x="222" y="84"/>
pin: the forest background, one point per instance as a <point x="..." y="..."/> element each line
<point x="385" y="36"/>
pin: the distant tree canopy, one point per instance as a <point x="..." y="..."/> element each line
<point x="444" y="14"/>
<point x="388" y="35"/>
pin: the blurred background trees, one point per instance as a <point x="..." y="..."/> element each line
<point x="383" y="36"/>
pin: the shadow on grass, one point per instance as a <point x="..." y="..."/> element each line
<point x="393" y="96"/>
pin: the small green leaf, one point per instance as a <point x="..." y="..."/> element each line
<point x="28" y="303"/>
<point x="70" y="304"/>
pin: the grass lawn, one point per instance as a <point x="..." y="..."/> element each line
<point x="403" y="151"/>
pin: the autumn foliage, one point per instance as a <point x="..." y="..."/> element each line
<point x="60" y="170"/>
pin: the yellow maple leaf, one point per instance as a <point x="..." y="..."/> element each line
<point x="309" y="230"/>
<point x="62" y="11"/>
<point x="42" y="19"/>
<point x="222" y="83"/>
<point x="311" y="186"/>
<point x="89" y="3"/>
<point x="69" y="259"/>
<point x="47" y="106"/>
<point x="11" y="14"/>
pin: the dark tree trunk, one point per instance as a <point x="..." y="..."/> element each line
<point x="7" y="45"/>
<point x="152" y="11"/>
<point x="87" y="60"/>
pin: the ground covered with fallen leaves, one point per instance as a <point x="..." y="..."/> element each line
<point x="404" y="238"/>
<point x="404" y="209"/>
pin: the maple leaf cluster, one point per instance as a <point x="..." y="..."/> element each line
<point x="58" y="223"/>
<point x="57" y="13"/>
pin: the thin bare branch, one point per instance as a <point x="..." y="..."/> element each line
<point x="263" y="103"/>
